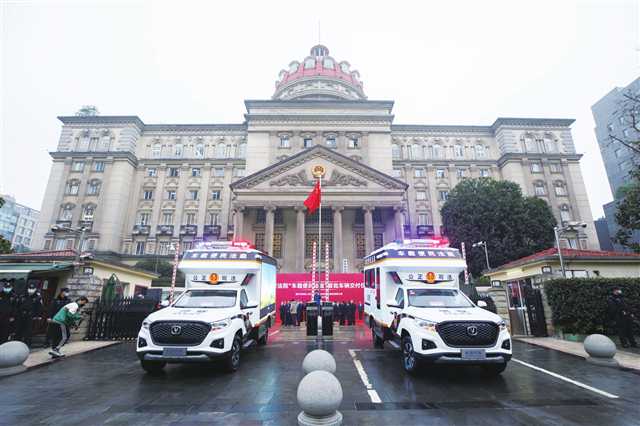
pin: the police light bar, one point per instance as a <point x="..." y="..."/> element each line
<point x="441" y="242"/>
<point x="212" y="245"/>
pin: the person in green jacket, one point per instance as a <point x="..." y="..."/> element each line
<point x="69" y="315"/>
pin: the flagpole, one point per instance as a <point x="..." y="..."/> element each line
<point x="319" y="230"/>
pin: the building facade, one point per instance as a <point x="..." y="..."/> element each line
<point x="619" y="160"/>
<point x="18" y="224"/>
<point x="142" y="187"/>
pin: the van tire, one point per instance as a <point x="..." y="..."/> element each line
<point x="494" y="369"/>
<point x="409" y="361"/>
<point x="232" y="363"/>
<point x="265" y="338"/>
<point x="377" y="341"/>
<point x="153" y="367"/>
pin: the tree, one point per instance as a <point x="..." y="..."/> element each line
<point x="5" y="245"/>
<point x="512" y="225"/>
<point x="628" y="213"/>
<point x="87" y="111"/>
<point x="162" y="267"/>
<point x="628" y="111"/>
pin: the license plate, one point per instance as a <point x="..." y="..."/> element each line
<point x="474" y="354"/>
<point x="174" y="352"/>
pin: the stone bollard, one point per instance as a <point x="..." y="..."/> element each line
<point x="319" y="360"/>
<point x="319" y="395"/>
<point x="601" y="350"/>
<point x="12" y="356"/>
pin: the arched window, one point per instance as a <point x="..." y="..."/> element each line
<point x="199" y="152"/>
<point x="293" y="67"/>
<point x="395" y="152"/>
<point x="179" y="149"/>
<point x="480" y="151"/>
<point x="309" y="63"/>
<point x="416" y="152"/>
<point x="565" y="213"/>
<point x="94" y="187"/>
<point x="403" y="151"/>
<point x="437" y="151"/>
<point x="72" y="187"/>
<point x="88" y="212"/>
<point x="560" y="188"/>
<point x="328" y="63"/>
<point x="156" y="150"/>
<point x="242" y="150"/>
<point x="538" y="188"/>
<point x="550" y="145"/>
<point x="458" y="151"/>
<point x="66" y="212"/>
<point x="230" y="151"/>
<point x="220" y="150"/>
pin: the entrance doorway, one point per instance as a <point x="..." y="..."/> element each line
<point x="526" y="310"/>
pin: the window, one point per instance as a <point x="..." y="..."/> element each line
<point x="238" y="172"/>
<point x="416" y="152"/>
<point x="72" y="187"/>
<point x="152" y="172"/>
<point x="213" y="218"/>
<point x="307" y="142"/>
<point x="460" y="173"/>
<point x="458" y="151"/>
<point x="618" y="152"/>
<point x="140" y="247"/>
<point x="167" y="218"/>
<point x="144" y="218"/>
<point x="147" y="194"/>
<point x="395" y="152"/>
<point x="94" y="187"/>
<point x="484" y="173"/>
<point x="77" y="166"/>
<point x="171" y="195"/>
<point x="59" y="244"/>
<point x="565" y="214"/>
<point x="193" y="194"/>
<point x="47" y="245"/>
<point x="309" y="63"/>
<point x="98" y="166"/>
<point x="538" y="188"/>
<point x="625" y="132"/>
<point x="228" y="151"/>
<point x="419" y="173"/>
<point x="199" y="152"/>
<point x="396" y="173"/>
<point x="536" y="167"/>
<point x="215" y="195"/>
<point x="421" y="195"/>
<point x="480" y="151"/>
<point x="621" y="119"/>
<point x="93" y="143"/>
<point x="440" y="173"/>
<point x="195" y="172"/>
<point x="174" y="172"/>
<point x="555" y="167"/>
<point x="310" y="238"/>
<point x="220" y="150"/>
<point x="284" y="142"/>
<point x="353" y="143"/>
<point x="400" y="298"/>
<point x="88" y="212"/>
<point x="164" y="248"/>
<point x="156" y="150"/>
<point x="190" y="218"/>
<point x="424" y="219"/>
<point x="242" y="150"/>
<point x="66" y="212"/>
<point x="331" y="142"/>
<point x="437" y="151"/>
<point x="444" y="195"/>
<point x="328" y="63"/>
<point x="560" y="189"/>
<point x="610" y="127"/>
<point x="218" y="172"/>
<point x="179" y="150"/>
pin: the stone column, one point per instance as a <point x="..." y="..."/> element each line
<point x="300" y="238"/>
<point x="268" y="229"/>
<point x="368" y="229"/>
<point x="238" y="222"/>
<point x="337" y="239"/>
<point x="399" y="222"/>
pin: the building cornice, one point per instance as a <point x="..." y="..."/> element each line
<point x="318" y="103"/>
<point x="62" y="155"/>
<point x="532" y="122"/>
<point x="437" y="128"/>
<point x="135" y="120"/>
<point x="505" y="158"/>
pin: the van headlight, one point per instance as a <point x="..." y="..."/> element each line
<point x="145" y="324"/>
<point x="503" y="325"/>
<point x="219" y="325"/>
<point x="427" y="325"/>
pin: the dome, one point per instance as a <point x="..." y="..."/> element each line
<point x="319" y="76"/>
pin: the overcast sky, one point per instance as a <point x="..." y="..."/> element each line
<point x="453" y="62"/>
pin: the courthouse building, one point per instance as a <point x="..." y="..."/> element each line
<point x="141" y="187"/>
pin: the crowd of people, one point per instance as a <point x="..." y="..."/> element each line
<point x="293" y="312"/>
<point x="21" y="311"/>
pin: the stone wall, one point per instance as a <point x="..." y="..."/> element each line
<point x="499" y="296"/>
<point x="83" y="285"/>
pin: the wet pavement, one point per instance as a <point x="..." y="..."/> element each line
<point x="109" y="387"/>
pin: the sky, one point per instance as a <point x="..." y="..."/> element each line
<point x="453" y="62"/>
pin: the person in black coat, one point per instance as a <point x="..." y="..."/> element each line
<point x="299" y="310"/>
<point x="282" y="313"/>
<point x="360" y="311"/>
<point x="28" y="307"/>
<point x="620" y="313"/>
<point x="7" y="310"/>
<point x="343" y="312"/>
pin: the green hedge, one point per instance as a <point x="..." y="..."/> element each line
<point x="579" y="305"/>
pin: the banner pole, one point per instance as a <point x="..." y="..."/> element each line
<point x="319" y="231"/>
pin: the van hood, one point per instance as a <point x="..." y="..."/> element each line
<point x="453" y="314"/>
<point x="192" y="314"/>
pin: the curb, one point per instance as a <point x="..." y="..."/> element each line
<point x="51" y="360"/>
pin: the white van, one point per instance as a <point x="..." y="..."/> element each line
<point x="228" y="305"/>
<point x="413" y="300"/>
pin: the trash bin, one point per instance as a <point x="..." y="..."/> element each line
<point x="312" y="320"/>
<point x="327" y="320"/>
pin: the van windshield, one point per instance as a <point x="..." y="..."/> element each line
<point x="207" y="299"/>
<point x="437" y="298"/>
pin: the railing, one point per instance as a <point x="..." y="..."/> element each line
<point x="64" y="223"/>
<point x="188" y="229"/>
<point x="141" y="229"/>
<point x="165" y="230"/>
<point x="118" y="319"/>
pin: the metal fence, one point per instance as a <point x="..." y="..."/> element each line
<point x="118" y="319"/>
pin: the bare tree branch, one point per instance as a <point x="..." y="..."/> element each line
<point x="629" y="145"/>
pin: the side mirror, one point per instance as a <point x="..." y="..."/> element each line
<point x="393" y="305"/>
<point x="481" y="304"/>
<point x="164" y="303"/>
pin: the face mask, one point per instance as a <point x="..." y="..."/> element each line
<point x="31" y="290"/>
<point x="7" y="289"/>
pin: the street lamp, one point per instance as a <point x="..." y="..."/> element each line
<point x="79" y="231"/>
<point x="486" y="253"/>
<point x="571" y="226"/>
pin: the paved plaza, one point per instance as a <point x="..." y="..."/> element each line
<point x="108" y="386"/>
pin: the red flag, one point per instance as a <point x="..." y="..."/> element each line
<point x="313" y="200"/>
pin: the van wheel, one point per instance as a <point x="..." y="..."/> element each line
<point x="152" y="367"/>
<point x="409" y="360"/>
<point x="233" y="358"/>
<point x="494" y="369"/>
<point x="377" y="341"/>
<point x="265" y="338"/>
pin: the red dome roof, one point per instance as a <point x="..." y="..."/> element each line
<point x="319" y="76"/>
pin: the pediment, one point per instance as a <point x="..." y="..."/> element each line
<point x="341" y="173"/>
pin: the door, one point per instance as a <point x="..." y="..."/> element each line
<point x="517" y="308"/>
<point x="535" y="310"/>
